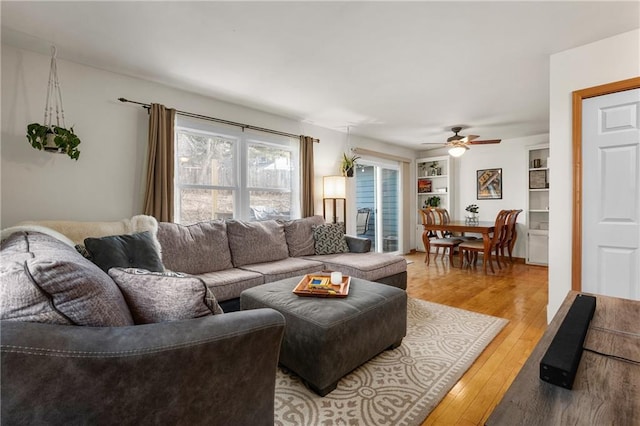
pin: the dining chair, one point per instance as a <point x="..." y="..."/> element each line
<point x="470" y="249"/>
<point x="511" y="235"/>
<point x="437" y="239"/>
<point x="445" y="218"/>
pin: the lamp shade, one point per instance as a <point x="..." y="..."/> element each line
<point x="334" y="187"/>
<point x="457" y="151"/>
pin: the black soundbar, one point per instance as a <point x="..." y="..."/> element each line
<point x="560" y="363"/>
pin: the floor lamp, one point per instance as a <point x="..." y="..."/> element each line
<point x="334" y="188"/>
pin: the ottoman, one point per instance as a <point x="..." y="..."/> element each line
<point x="326" y="338"/>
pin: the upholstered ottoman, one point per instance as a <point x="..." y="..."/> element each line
<point x="326" y="338"/>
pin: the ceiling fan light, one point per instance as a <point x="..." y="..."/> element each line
<point x="457" y="151"/>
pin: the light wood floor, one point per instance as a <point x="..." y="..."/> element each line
<point x="517" y="293"/>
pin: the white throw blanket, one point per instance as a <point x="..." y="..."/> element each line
<point x="74" y="232"/>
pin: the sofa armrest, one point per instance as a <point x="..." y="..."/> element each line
<point x="211" y="370"/>
<point x="357" y="244"/>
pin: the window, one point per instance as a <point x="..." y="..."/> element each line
<point x="222" y="173"/>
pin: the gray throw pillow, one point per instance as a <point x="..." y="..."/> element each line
<point x="164" y="296"/>
<point x="125" y="251"/>
<point x="329" y="238"/>
<point x="45" y="280"/>
<point x="299" y="235"/>
<point x="256" y="242"/>
<point x="195" y="249"/>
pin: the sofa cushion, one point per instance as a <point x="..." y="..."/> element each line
<point x="228" y="284"/>
<point x="299" y="235"/>
<point x="285" y="268"/>
<point x="256" y="242"/>
<point x="195" y="249"/>
<point x="164" y="296"/>
<point x="369" y="266"/>
<point x="329" y="238"/>
<point x="46" y="280"/>
<point x="125" y="251"/>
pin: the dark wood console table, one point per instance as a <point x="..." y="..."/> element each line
<point x="606" y="391"/>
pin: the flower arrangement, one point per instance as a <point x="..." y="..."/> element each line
<point x="472" y="208"/>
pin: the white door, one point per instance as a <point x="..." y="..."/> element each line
<point x="611" y="194"/>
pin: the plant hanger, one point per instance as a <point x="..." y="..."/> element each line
<point x="48" y="136"/>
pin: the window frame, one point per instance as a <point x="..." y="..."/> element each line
<point x="242" y="140"/>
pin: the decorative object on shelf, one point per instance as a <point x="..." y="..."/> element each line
<point x="433" y="201"/>
<point x="423" y="169"/>
<point x="538" y="179"/>
<point x="489" y="184"/>
<point x="47" y="136"/>
<point x="536" y="163"/>
<point x="472" y="213"/>
<point x="424" y="186"/>
<point x="348" y="164"/>
<point x="435" y="170"/>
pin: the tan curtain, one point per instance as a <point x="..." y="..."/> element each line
<point x="158" y="200"/>
<point x="306" y="160"/>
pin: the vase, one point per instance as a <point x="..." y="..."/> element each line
<point x="349" y="172"/>
<point x="471" y="217"/>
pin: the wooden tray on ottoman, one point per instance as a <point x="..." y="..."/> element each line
<point x="333" y="290"/>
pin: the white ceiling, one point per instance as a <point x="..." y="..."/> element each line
<point x="398" y="72"/>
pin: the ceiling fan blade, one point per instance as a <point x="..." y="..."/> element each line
<point x="484" y="142"/>
<point x="432" y="143"/>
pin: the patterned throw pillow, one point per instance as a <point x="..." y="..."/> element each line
<point x="164" y="296"/>
<point x="329" y="238"/>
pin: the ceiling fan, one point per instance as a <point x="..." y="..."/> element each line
<point x="459" y="144"/>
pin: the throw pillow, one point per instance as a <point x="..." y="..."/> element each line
<point x="125" y="251"/>
<point x="164" y="296"/>
<point x="299" y="235"/>
<point x="44" y="280"/>
<point x="329" y="238"/>
<point x="256" y="242"/>
<point x="195" y="249"/>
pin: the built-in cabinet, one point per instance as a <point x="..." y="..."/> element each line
<point x="433" y="181"/>
<point x="538" y="205"/>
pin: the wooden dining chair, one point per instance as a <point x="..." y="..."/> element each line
<point x="510" y="236"/>
<point x="470" y="249"/>
<point x="443" y="214"/>
<point x="437" y="239"/>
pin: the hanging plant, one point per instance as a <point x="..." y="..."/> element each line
<point x="54" y="137"/>
<point x="348" y="164"/>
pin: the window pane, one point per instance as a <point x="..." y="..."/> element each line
<point x="205" y="159"/>
<point x="269" y="167"/>
<point x="269" y="205"/>
<point x="198" y="205"/>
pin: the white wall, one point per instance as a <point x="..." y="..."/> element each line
<point x="106" y="183"/>
<point x="609" y="60"/>
<point x="511" y="156"/>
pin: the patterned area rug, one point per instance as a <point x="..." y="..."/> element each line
<point x="398" y="387"/>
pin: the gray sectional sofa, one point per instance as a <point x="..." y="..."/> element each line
<point x="73" y="351"/>
<point x="232" y="256"/>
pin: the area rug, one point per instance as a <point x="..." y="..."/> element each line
<point x="400" y="386"/>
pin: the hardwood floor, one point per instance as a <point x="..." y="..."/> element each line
<point x="517" y="293"/>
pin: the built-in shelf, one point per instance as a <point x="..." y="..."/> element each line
<point x="538" y="206"/>
<point x="433" y="182"/>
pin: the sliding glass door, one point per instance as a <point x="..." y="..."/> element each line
<point x="378" y="200"/>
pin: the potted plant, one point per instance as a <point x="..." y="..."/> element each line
<point x="348" y="165"/>
<point x="48" y="136"/>
<point x="472" y="213"/>
<point x="433" y="201"/>
<point x="54" y="138"/>
<point x="434" y="168"/>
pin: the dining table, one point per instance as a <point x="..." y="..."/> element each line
<point x="466" y="227"/>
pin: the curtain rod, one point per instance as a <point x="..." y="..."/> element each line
<point x="220" y="120"/>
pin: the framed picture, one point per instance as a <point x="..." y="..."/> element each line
<point x="424" y="185"/>
<point x="537" y="179"/>
<point x="489" y="184"/>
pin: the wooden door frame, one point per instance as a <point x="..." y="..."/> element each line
<point x="578" y="97"/>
